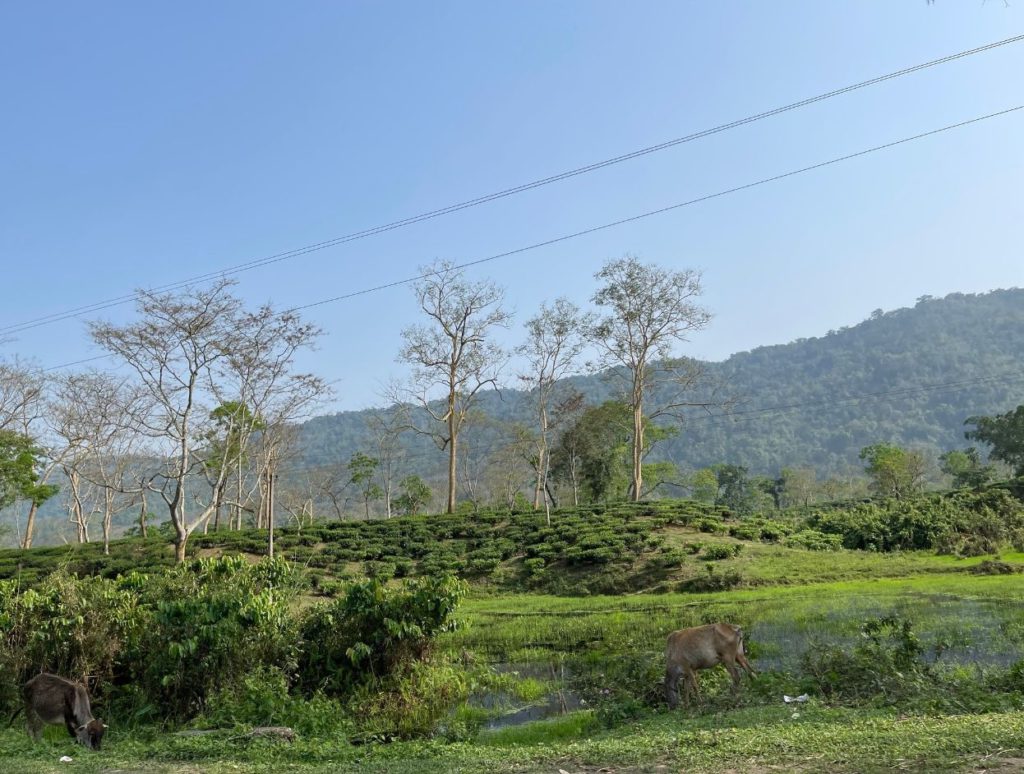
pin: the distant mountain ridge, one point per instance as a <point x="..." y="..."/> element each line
<point x="909" y="376"/>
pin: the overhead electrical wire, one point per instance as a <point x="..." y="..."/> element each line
<point x="663" y="210"/>
<point x="439" y="212"/>
<point x="638" y="217"/>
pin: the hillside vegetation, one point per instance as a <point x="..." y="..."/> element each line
<point x="909" y="376"/>
<point x="900" y="619"/>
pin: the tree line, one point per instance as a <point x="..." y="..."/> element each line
<point x="201" y="415"/>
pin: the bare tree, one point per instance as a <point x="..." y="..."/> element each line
<point x="192" y="351"/>
<point x="452" y="357"/>
<point x="555" y="339"/>
<point x="650" y="310"/>
<point x="260" y="361"/>
<point x="330" y="483"/>
<point x="176" y="348"/>
<point x="21" y="393"/>
<point x="98" y="417"/>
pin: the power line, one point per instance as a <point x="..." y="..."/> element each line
<point x="648" y="214"/>
<point x="431" y="214"/>
<point x="662" y="210"/>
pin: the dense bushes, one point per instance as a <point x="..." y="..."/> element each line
<point x="964" y="523"/>
<point x="218" y="638"/>
<point x="70" y="626"/>
<point x="372" y="629"/>
<point x="208" y="625"/>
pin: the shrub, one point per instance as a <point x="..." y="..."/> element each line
<point x="813" y="540"/>
<point x="712" y="580"/>
<point x="411" y="702"/>
<point x="372" y="630"/>
<point x="263" y="699"/>
<point x="382" y="571"/>
<point x="718" y="551"/>
<point x="888" y="665"/>
<point x="710" y="525"/>
<point x="208" y="626"/>
<point x="67" y="625"/>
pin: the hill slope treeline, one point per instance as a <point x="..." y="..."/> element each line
<point x="909" y="376"/>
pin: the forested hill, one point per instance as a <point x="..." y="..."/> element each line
<point x="909" y="376"/>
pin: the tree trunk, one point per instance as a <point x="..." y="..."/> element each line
<point x="142" y="516"/>
<point x="638" y="446"/>
<point x="538" y="491"/>
<point x="451" y="467"/>
<point x="108" y="516"/>
<point x="238" y="498"/>
<point x="179" y="548"/>
<point x="30" y="525"/>
<point x="270" y="515"/>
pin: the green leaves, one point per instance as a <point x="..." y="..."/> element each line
<point x="1004" y="433"/>
<point x="19" y="476"/>
<point x="373" y="629"/>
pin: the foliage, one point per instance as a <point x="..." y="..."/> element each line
<point x="648" y="311"/>
<point x="19" y="470"/>
<point x="411" y="702"/>
<point x="66" y="625"/>
<point x="594" y="452"/>
<point x="372" y="630"/>
<point x="208" y="626"/>
<point x="362" y="470"/>
<point x="888" y="665"/>
<point x="262" y="698"/>
<point x="966" y="523"/>
<point x="1004" y="433"/>
<point x="966" y="468"/>
<point x="415" y="495"/>
<point x="894" y="471"/>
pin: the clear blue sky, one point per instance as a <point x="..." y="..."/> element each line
<point x="145" y="143"/>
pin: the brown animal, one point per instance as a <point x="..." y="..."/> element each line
<point x="52" y="699"/>
<point x="702" y="647"/>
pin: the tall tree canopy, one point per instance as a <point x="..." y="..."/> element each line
<point x="648" y="311"/>
<point x="1005" y="434"/>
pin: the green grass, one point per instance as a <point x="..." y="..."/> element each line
<point x="780" y="621"/>
<point x="519" y="647"/>
<point x="820" y="739"/>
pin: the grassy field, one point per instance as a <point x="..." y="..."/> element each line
<point x="585" y="670"/>
<point x="540" y="635"/>
<point x="819" y="739"/>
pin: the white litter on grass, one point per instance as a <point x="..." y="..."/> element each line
<point x="790" y="699"/>
<point x="66" y="759"/>
<point x="795" y="715"/>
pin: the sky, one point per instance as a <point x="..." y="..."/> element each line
<point x="143" y="144"/>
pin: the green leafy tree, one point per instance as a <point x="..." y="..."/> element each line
<point x="233" y="425"/>
<point x="966" y="468"/>
<point x="593" y="453"/>
<point x="799" y="486"/>
<point x="1004" y="433"/>
<point x="648" y="311"/>
<point x="703" y="485"/>
<point x="894" y="471"/>
<point x="415" y="494"/>
<point x="19" y="472"/>
<point x="362" y="470"/>
<point x="736" y="490"/>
